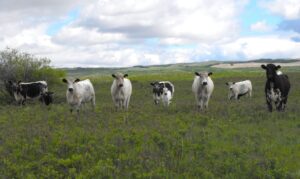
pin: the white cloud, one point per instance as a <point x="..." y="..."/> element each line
<point x="261" y="47"/>
<point x="289" y="9"/>
<point x="79" y="36"/>
<point x="261" y="26"/>
<point x="197" y="20"/>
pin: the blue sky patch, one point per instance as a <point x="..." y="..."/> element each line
<point x="56" y="26"/>
<point x="253" y="13"/>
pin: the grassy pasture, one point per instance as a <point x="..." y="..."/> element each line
<point x="233" y="139"/>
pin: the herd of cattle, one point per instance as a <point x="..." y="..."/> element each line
<point x="78" y="92"/>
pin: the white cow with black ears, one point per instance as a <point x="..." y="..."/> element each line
<point x="202" y="87"/>
<point x="121" y="90"/>
<point x="79" y="92"/>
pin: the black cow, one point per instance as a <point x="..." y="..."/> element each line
<point x="31" y="90"/>
<point x="158" y="89"/>
<point x="277" y="87"/>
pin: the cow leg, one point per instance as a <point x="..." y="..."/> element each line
<point x="278" y="105"/>
<point x="236" y="97"/>
<point x="269" y="104"/>
<point x="200" y="104"/>
<point x="78" y="106"/>
<point x="93" y="102"/>
<point x="229" y="96"/>
<point x="127" y="103"/>
<point x="120" y="105"/>
<point x="167" y="103"/>
<point x="284" y="101"/>
<point x="71" y="108"/>
<point x="206" y="102"/>
<point x="124" y="104"/>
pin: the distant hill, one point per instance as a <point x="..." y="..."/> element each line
<point x="195" y="66"/>
<point x="264" y="60"/>
<point x="257" y="63"/>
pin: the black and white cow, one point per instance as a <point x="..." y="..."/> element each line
<point x="23" y="91"/>
<point x="277" y="87"/>
<point x="158" y="90"/>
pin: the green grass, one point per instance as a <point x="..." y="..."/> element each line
<point x="233" y="139"/>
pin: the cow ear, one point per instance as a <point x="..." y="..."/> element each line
<point x="263" y="66"/>
<point x="227" y="83"/>
<point x="126" y="75"/>
<point x="277" y="67"/>
<point x="152" y="84"/>
<point x="77" y="80"/>
<point x="210" y="73"/>
<point x="233" y="83"/>
<point x="113" y="75"/>
<point x="10" y="82"/>
<point x="64" y="80"/>
<point x="19" y="81"/>
<point x="197" y="74"/>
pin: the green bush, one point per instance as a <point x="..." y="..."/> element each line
<point x="21" y="66"/>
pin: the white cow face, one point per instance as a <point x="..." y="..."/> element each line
<point x="203" y="77"/>
<point x="165" y="91"/>
<point x="119" y="77"/>
<point x="230" y="87"/>
<point x="70" y="84"/>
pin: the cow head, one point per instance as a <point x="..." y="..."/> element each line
<point x="231" y="92"/>
<point x="230" y="84"/>
<point x="165" y="91"/>
<point x="70" y="84"/>
<point x="203" y="77"/>
<point x="157" y="87"/>
<point x="271" y="70"/>
<point x="15" y="86"/>
<point x="119" y="77"/>
<point x="47" y="97"/>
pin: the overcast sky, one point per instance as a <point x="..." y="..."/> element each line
<point x="110" y="33"/>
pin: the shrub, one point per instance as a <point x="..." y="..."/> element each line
<point x="16" y="65"/>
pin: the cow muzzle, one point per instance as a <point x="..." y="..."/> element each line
<point x="120" y="85"/>
<point x="71" y="89"/>
<point x="204" y="83"/>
